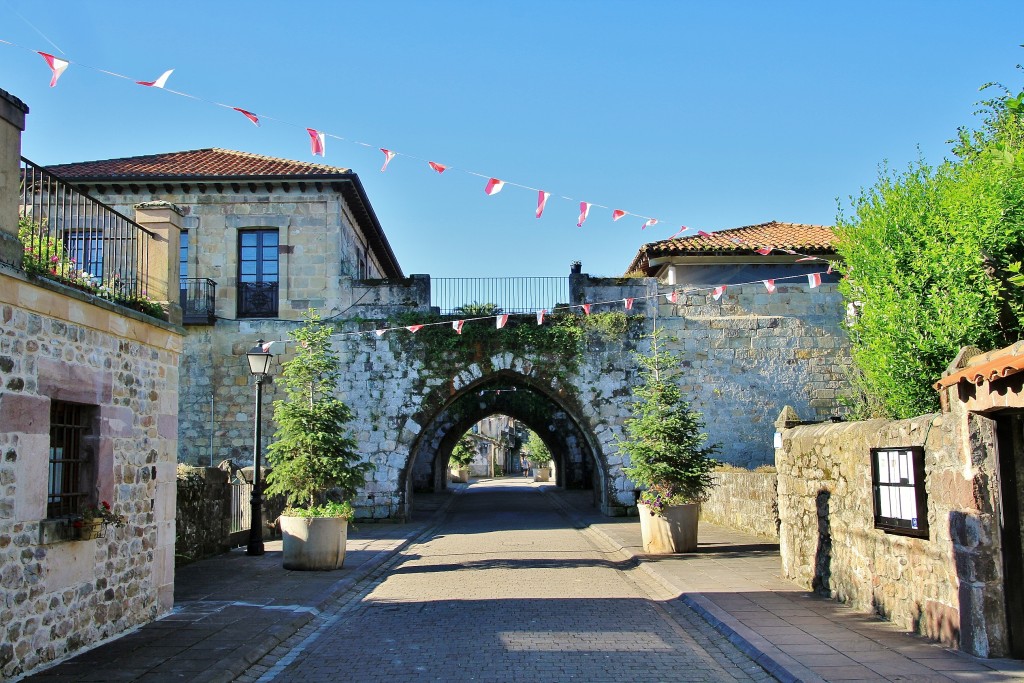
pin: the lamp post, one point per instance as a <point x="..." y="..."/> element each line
<point x="259" y="358"/>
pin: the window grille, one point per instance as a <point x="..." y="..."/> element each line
<point x="898" y="478"/>
<point x="70" y="461"/>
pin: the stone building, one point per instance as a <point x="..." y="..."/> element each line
<point x="88" y="409"/>
<point x="262" y="241"/>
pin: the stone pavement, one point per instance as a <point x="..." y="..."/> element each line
<point x="233" y="609"/>
<point x="507" y="589"/>
<point x="504" y="587"/>
<point x="733" y="580"/>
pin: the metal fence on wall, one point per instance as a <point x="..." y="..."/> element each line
<point x="459" y="295"/>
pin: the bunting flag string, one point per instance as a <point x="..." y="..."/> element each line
<point x="318" y="137"/>
<point x="158" y="83"/>
<point x="57" y="66"/>
<point x="584" y="212"/>
<point x="317" y="143"/>
<point x="494" y="186"/>
<point x="542" y="201"/>
<point x="501" y="319"/>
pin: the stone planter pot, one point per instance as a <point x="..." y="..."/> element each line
<point x="313" y="543"/>
<point x="460" y="476"/>
<point x="542" y="474"/>
<point x="673" y="532"/>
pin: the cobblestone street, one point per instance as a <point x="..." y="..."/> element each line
<point x="506" y="589"/>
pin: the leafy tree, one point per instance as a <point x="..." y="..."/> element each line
<point x="927" y="258"/>
<point x="664" y="439"/>
<point x="312" y="451"/>
<point x="464" y="451"/>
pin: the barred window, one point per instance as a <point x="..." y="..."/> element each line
<point x="901" y="503"/>
<point x="71" y="458"/>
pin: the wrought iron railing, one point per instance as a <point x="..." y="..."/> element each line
<point x="468" y="295"/>
<point x="198" y="298"/>
<point x="71" y="237"/>
<point x="257" y="299"/>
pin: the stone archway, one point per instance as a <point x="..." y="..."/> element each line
<point x="578" y="461"/>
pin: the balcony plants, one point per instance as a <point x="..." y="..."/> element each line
<point x="94" y="520"/>
<point x="669" y="457"/>
<point x="315" y="461"/>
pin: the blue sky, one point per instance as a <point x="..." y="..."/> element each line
<point x="709" y="115"/>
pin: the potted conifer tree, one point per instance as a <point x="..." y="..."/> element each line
<point x="669" y="457"/>
<point x="315" y="462"/>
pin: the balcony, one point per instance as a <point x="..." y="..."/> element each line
<point x="257" y="299"/>
<point x="198" y="297"/>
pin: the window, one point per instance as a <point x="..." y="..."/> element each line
<point x="257" y="273"/>
<point x="85" y="247"/>
<point x="183" y="254"/>
<point x="901" y="504"/>
<point x="71" y="459"/>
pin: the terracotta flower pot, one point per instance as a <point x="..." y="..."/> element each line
<point x="89" y="529"/>
<point x="675" y="531"/>
<point x="313" y="543"/>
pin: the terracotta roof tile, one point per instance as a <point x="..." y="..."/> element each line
<point x="987" y="367"/>
<point x="197" y="163"/>
<point x="799" y="237"/>
<point x="795" y="236"/>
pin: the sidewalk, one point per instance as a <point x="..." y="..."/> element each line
<point x="232" y="609"/>
<point x="733" y="581"/>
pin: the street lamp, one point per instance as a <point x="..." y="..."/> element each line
<point x="259" y="358"/>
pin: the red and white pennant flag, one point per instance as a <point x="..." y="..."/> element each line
<point x="249" y="115"/>
<point x="414" y="328"/>
<point x="540" y="316"/>
<point x="440" y="168"/>
<point x="57" y="66"/>
<point x="649" y="223"/>
<point x="672" y="296"/>
<point x="718" y="292"/>
<point x="584" y="212"/>
<point x="457" y="326"/>
<point x="764" y="251"/>
<point x="388" y="156"/>
<point x="494" y="186"/>
<point x="586" y="308"/>
<point x="769" y="285"/>
<point x="542" y="201"/>
<point x="617" y="214"/>
<point x="814" y="279"/>
<point x="500" y="321"/>
<point x="317" y="142"/>
<point x="629" y="304"/>
<point x="682" y="229"/>
<point x="158" y="83"/>
<point x="379" y="333"/>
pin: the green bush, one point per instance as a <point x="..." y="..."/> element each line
<point x="927" y="256"/>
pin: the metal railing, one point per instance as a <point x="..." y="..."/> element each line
<point x="469" y="295"/>
<point x="198" y="298"/>
<point x="73" y="238"/>
<point x="257" y="300"/>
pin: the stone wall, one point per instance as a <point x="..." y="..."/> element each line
<point x="744" y="500"/>
<point x="750" y="353"/>
<point x="203" y="513"/>
<point x="58" y="595"/>
<point x="944" y="586"/>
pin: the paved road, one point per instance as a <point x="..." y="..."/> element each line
<point x="505" y="589"/>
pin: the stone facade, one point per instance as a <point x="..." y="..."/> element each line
<point x="744" y="500"/>
<point x="947" y="586"/>
<point x="57" y="595"/>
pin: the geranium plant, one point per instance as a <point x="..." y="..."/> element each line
<point x="101" y="513"/>
<point x="665" y="440"/>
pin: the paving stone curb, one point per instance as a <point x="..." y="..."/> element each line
<point x="742" y="637"/>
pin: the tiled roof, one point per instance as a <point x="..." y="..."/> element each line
<point x="798" y="237"/>
<point x="987" y="367"/>
<point x="795" y="236"/>
<point x="196" y="163"/>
